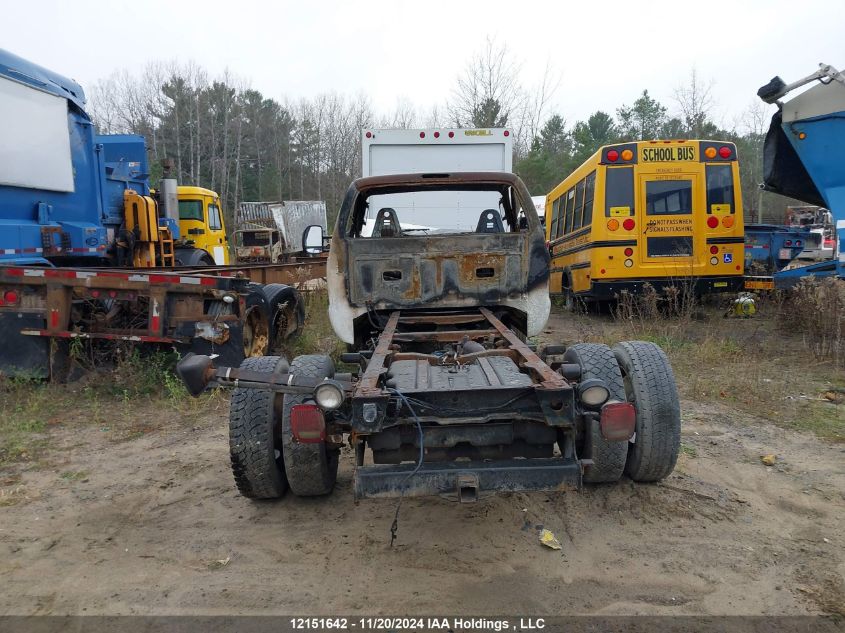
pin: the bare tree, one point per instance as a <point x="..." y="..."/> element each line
<point x="537" y="102"/>
<point x="695" y="101"/>
<point x="435" y="117"/>
<point x="488" y="93"/>
<point x="404" y="116"/>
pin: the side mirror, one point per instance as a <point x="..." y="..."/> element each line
<point x="312" y="239"/>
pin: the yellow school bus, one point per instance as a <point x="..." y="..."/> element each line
<point x="662" y="212"/>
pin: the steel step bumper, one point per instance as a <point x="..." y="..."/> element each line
<point x="465" y="480"/>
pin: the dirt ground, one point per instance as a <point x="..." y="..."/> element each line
<point x="155" y="526"/>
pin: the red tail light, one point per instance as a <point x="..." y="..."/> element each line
<point x="628" y="225"/>
<point x="629" y="252"/>
<point x="712" y="221"/>
<point x="307" y="424"/>
<point x="788" y="243"/>
<point x="725" y="152"/>
<point x="618" y="421"/>
<point x="10" y="296"/>
<point x="714" y="250"/>
<point x="612" y="156"/>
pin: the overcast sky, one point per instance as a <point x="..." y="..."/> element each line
<point x="605" y="52"/>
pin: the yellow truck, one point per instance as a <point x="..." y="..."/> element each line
<point x="202" y="228"/>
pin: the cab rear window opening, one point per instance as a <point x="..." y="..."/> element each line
<point x="447" y="210"/>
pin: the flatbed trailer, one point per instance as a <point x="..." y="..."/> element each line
<point x="298" y="270"/>
<point x="234" y="312"/>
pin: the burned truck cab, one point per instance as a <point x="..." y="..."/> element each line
<point x="437" y="242"/>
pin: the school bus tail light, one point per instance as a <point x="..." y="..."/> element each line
<point x="628" y="224"/>
<point x="627" y="154"/>
<point x="612" y="224"/>
<point x="728" y="221"/>
<point x="612" y="155"/>
<point x="725" y="151"/>
<point x="712" y="221"/>
<point x="710" y="152"/>
<point x="629" y="251"/>
<point x="714" y="250"/>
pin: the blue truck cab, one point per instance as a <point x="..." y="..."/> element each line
<point x="62" y="186"/>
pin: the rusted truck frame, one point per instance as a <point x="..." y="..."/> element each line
<point x="449" y="396"/>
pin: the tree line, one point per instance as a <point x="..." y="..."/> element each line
<point x="226" y="136"/>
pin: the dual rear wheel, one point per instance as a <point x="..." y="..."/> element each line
<point x="266" y="459"/>
<point x="636" y="372"/>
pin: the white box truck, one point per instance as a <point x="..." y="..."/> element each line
<point x="432" y="151"/>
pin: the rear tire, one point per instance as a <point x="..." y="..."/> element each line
<point x="256" y="453"/>
<point x="650" y="385"/>
<point x="285" y="322"/>
<point x="571" y="301"/>
<point x="255" y="333"/>
<point x="597" y="361"/>
<point x="311" y="468"/>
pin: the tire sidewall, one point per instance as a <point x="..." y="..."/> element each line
<point x="657" y="415"/>
<point x="311" y="469"/>
<point x="597" y="361"/>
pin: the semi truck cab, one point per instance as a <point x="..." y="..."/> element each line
<point x="201" y="224"/>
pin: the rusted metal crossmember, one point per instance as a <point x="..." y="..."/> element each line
<point x="549" y="378"/>
<point x="368" y="385"/>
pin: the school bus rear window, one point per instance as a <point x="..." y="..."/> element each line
<point x="675" y="246"/>
<point x="668" y="197"/>
<point x="720" y="187"/>
<point x="619" y="189"/>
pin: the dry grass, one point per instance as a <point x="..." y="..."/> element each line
<point x="127" y="401"/>
<point x="317" y="336"/>
<point x="764" y="366"/>
<point x="816" y="308"/>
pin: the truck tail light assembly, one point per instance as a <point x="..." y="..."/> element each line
<point x="10" y="298"/>
<point x="618" y="421"/>
<point x="307" y="424"/>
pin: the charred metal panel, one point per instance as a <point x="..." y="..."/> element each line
<point x="442" y="270"/>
